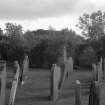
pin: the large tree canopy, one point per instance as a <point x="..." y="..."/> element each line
<point x="92" y="25"/>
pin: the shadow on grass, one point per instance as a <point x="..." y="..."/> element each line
<point x="37" y="98"/>
<point x="66" y="95"/>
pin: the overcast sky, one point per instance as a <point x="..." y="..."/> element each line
<point x="34" y="14"/>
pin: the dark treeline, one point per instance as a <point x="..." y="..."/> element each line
<point x="45" y="47"/>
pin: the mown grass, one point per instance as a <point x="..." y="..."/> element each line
<point x="36" y="90"/>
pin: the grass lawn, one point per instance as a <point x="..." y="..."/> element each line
<point x="36" y="90"/>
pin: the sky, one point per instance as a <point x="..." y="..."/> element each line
<point x="40" y="14"/>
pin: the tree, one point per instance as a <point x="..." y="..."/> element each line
<point x="14" y="32"/>
<point x="87" y="57"/>
<point x="92" y="25"/>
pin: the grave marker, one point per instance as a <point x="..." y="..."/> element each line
<point x="94" y="72"/>
<point x="14" y="84"/>
<point x="94" y="95"/>
<point x="104" y="69"/>
<point x="78" y="93"/>
<point x="69" y="66"/>
<point x="99" y="72"/>
<point x="55" y="79"/>
<point x="3" y="83"/>
<point x="25" y="67"/>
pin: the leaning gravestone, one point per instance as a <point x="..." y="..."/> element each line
<point x="55" y="80"/>
<point x="3" y="82"/>
<point x="14" y="84"/>
<point x="64" y="69"/>
<point x="24" y="70"/>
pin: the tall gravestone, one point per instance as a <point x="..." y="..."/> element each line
<point x="24" y="70"/>
<point x="55" y="80"/>
<point x="78" y="93"/>
<point x="104" y="69"/>
<point x="94" y="95"/>
<point x="69" y="66"/>
<point x="25" y="66"/>
<point x="65" y="54"/>
<point x="64" y="70"/>
<point x="94" y="72"/>
<point x="100" y="71"/>
<point x="3" y="83"/>
<point x="14" y="84"/>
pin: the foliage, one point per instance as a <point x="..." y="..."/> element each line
<point x="92" y="25"/>
<point x="88" y="56"/>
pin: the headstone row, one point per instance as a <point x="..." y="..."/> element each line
<point x="15" y="82"/>
<point x="94" y="94"/>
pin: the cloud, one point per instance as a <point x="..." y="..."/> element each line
<point x="33" y="9"/>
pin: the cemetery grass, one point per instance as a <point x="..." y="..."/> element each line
<point x="36" y="90"/>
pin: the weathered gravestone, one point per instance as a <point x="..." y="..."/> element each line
<point x="25" y="66"/>
<point x="69" y="66"/>
<point x="78" y="93"/>
<point x="55" y="80"/>
<point x="94" y="72"/>
<point x="14" y="84"/>
<point x="24" y="70"/>
<point x="104" y="69"/>
<point x="3" y="82"/>
<point x="94" y="95"/>
<point x="64" y="69"/>
<point x="97" y="71"/>
<point x="100" y="71"/>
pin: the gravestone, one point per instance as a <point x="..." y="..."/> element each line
<point x="78" y="93"/>
<point x="65" y="54"/>
<point x="104" y="69"/>
<point x="25" y="67"/>
<point x="99" y="72"/>
<point x="3" y="82"/>
<point x="69" y="66"/>
<point x="94" y="95"/>
<point x="14" y="84"/>
<point x="64" y="69"/>
<point x="94" y="72"/>
<point x="55" y="80"/>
